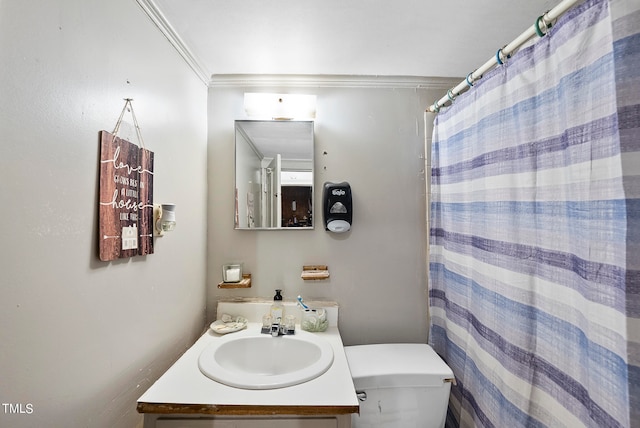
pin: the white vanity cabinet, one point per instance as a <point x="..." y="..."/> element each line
<point x="184" y="397"/>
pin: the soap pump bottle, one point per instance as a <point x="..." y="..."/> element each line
<point x="277" y="308"/>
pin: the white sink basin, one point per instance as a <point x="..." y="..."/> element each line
<point x="251" y="360"/>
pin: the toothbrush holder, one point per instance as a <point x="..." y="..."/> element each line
<point x="314" y="320"/>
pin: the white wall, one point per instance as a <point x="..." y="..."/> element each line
<point x="369" y="132"/>
<point x="80" y="340"/>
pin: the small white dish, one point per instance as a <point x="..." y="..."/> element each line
<point x="229" y="324"/>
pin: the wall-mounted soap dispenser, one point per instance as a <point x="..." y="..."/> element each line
<point x="337" y="207"/>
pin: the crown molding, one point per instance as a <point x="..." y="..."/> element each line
<point x="332" y="81"/>
<point x="158" y="18"/>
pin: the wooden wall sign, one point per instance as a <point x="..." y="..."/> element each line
<point x="126" y="199"/>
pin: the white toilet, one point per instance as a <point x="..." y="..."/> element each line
<point x="399" y="385"/>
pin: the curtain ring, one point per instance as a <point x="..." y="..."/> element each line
<point x="500" y="55"/>
<point x="469" y="82"/>
<point x="537" y="26"/>
<point x="450" y="95"/>
<point x="435" y="107"/>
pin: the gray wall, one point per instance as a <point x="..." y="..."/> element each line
<point x="81" y="340"/>
<point x="372" y="131"/>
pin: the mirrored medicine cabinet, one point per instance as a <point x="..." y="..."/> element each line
<point x="274" y="175"/>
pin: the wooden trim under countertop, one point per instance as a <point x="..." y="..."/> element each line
<point x="244" y="410"/>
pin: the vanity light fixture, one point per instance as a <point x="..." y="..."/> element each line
<point x="164" y="218"/>
<point x="280" y="106"/>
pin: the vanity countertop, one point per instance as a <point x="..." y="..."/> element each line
<point x="184" y="389"/>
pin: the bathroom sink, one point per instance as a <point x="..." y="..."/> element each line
<point x="250" y="360"/>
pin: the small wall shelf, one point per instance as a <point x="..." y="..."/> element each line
<point x="315" y="272"/>
<point x="244" y="283"/>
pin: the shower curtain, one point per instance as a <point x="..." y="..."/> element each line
<point x="535" y="230"/>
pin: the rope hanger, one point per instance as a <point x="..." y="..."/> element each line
<point x="135" y="121"/>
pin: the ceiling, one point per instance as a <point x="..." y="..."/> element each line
<point x="429" y="38"/>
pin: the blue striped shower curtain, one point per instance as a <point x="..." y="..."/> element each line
<point x="535" y="231"/>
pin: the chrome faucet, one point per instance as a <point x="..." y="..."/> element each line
<point x="275" y="328"/>
<point x="278" y="329"/>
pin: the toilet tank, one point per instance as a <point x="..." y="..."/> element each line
<point x="399" y="385"/>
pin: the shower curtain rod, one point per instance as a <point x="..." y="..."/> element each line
<point x="539" y="28"/>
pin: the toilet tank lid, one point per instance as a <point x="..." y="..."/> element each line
<point x="396" y="365"/>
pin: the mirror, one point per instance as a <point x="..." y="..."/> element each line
<point x="274" y="174"/>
